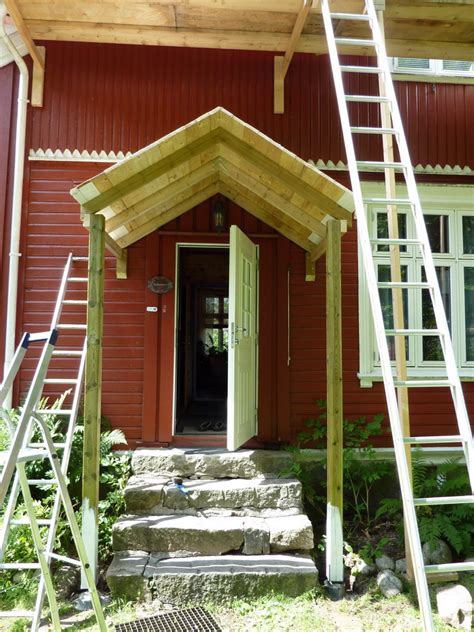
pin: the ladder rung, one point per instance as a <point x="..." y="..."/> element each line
<point x="17" y="614"/>
<point x="78" y="279"/>
<point x="354" y="41"/>
<point x="67" y="353"/>
<point x="366" y="98"/>
<point x="63" y="558"/>
<point x="452" y="567"/>
<point x="42" y="481"/>
<point x="80" y="258"/>
<point x="409" y="285"/>
<point x="372" y="70"/>
<point x="422" y="383"/>
<point x="444" y="500"/>
<point x="52" y="411"/>
<point x="412" y="332"/>
<point x="74" y="302"/>
<point x="25" y="455"/>
<point x="376" y="165"/>
<point x="388" y="201"/>
<point x="71" y="326"/>
<point x="19" y="566"/>
<point x="350" y="16"/>
<point x="395" y="242"/>
<point x="58" y="446"/>
<point x="373" y="130"/>
<point x="433" y="439"/>
<point x="40" y="336"/>
<point x="42" y="522"/>
<point x="61" y="380"/>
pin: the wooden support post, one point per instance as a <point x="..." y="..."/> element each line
<point x="334" y="537"/>
<point x="121" y="265"/>
<point x="93" y="384"/>
<point x="397" y="293"/>
<point x="282" y="63"/>
<point x="310" y="267"/>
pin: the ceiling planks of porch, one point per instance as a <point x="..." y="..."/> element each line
<point x="216" y="153"/>
<point x="422" y="28"/>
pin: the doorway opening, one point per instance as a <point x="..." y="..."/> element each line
<point x="202" y="340"/>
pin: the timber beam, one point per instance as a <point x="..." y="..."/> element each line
<point x="334" y="534"/>
<point x="38" y="53"/>
<point x="282" y="63"/>
<point x="93" y="389"/>
<point x="111" y="245"/>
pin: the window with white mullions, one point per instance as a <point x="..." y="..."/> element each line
<point x="449" y="220"/>
<point x="432" y="67"/>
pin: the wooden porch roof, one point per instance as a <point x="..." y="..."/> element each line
<point x="216" y="153"/>
<point x="414" y="28"/>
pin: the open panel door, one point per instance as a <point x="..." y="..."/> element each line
<point x="242" y="358"/>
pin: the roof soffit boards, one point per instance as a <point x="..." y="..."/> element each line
<point x="215" y="153"/>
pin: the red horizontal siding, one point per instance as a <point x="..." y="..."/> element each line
<point x="53" y="229"/>
<point x="113" y="97"/>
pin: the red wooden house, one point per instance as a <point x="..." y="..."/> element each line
<point x="117" y="83"/>
<point x="102" y="99"/>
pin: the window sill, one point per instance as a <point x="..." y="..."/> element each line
<point x="367" y="379"/>
<point x="427" y="78"/>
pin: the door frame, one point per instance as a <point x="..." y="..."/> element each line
<point x="183" y="245"/>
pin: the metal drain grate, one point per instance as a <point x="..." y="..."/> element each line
<point x="189" y="620"/>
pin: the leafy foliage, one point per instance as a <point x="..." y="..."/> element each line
<point x="452" y="523"/>
<point x="115" y="471"/>
<point x="362" y="471"/>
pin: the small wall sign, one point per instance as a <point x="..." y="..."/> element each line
<point x="160" y="284"/>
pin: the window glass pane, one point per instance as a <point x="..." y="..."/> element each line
<point x="431" y="346"/>
<point x="387" y="305"/>
<point x="438" y="232"/>
<point x="468" y="234"/>
<point x="469" y="307"/>
<point x="413" y="63"/>
<point x="382" y="229"/>
<point x="458" y="66"/>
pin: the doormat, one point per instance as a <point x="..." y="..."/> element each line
<point x="189" y="620"/>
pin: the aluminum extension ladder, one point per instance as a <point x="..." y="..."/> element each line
<point x="392" y="129"/>
<point x="23" y="450"/>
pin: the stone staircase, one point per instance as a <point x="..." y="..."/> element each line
<point x="233" y="528"/>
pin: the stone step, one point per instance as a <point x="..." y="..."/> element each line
<point x="217" y="579"/>
<point x="155" y="495"/>
<point x="197" y="535"/>
<point x="211" y="463"/>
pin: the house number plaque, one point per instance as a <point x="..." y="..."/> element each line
<point x="160" y="284"/>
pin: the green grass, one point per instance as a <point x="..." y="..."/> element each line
<point x="311" y="612"/>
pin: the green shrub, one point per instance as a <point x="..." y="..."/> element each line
<point x="452" y="523"/>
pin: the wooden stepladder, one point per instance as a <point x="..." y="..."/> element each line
<point x="23" y="449"/>
<point x="397" y="382"/>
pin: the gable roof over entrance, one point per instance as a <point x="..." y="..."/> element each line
<point x="215" y="153"/>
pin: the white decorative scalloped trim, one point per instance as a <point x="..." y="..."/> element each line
<point x="329" y="165"/>
<point x="77" y="156"/>
<point x="447" y="170"/>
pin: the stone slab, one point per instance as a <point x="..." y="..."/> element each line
<point x="148" y="493"/>
<point x="290" y="533"/>
<point x="221" y="579"/>
<point x="210" y="536"/>
<point x="125" y="575"/>
<point x="207" y="536"/>
<point x="210" y="462"/>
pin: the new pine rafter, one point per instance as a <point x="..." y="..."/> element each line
<point x="282" y="63"/>
<point x="38" y="53"/>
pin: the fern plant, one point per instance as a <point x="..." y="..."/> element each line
<point x="452" y="523"/>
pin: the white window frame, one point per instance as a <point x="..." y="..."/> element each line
<point x="454" y="201"/>
<point x="435" y="68"/>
